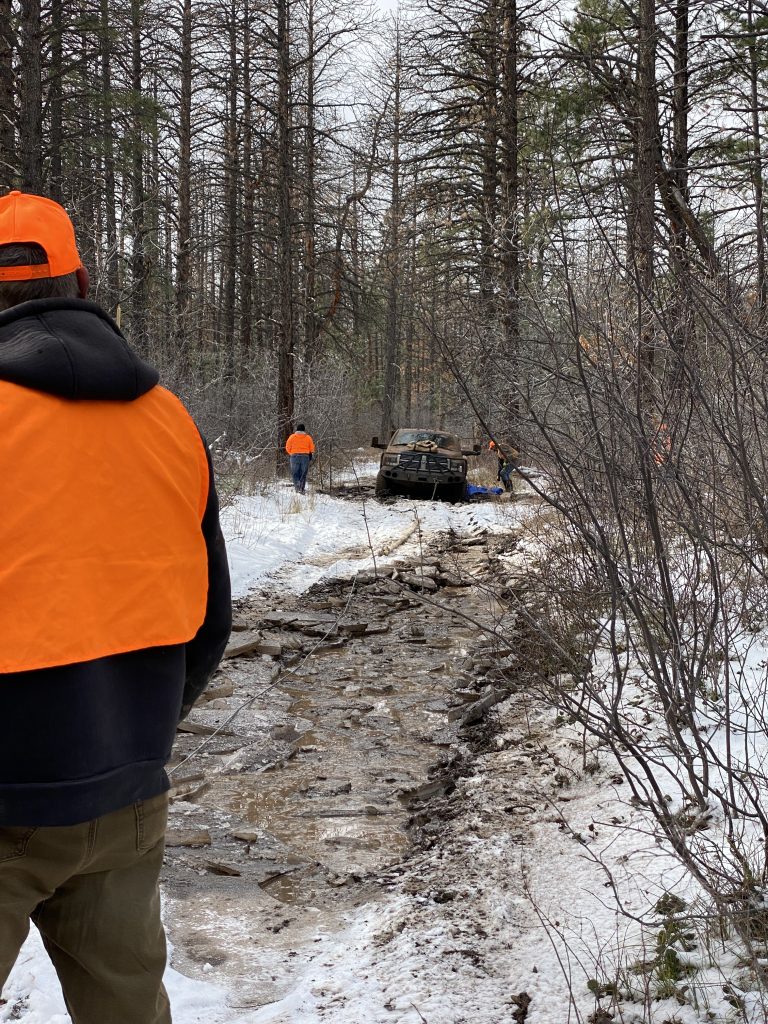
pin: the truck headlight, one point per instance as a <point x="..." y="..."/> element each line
<point x="390" y="460"/>
<point x="458" y="467"/>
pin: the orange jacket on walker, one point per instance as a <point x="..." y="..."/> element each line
<point x="300" y="443"/>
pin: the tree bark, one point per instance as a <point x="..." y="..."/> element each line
<point x="248" y="199"/>
<point x="311" y="335"/>
<point x="648" y="159"/>
<point x="84" y="206"/>
<point x="286" y="340"/>
<point x="680" y="104"/>
<point x="757" y="171"/>
<point x="411" y="356"/>
<point x="231" y="168"/>
<point x="111" y="264"/>
<point x="31" y="98"/>
<point x="391" y="368"/>
<point x="490" y="166"/>
<point x="138" y="199"/>
<point x="511" y="197"/>
<point x="7" y="113"/>
<point x="681" y="334"/>
<point x="184" y="231"/>
<point x="55" y="101"/>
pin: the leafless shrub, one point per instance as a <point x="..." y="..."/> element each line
<point x="650" y="611"/>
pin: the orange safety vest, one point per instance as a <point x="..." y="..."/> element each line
<point x="101" y="547"/>
<point x="300" y="444"/>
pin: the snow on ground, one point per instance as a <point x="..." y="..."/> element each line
<point x="465" y="937"/>
<point x="516" y="897"/>
<point x="34" y="996"/>
<point x="292" y="541"/>
<point x="295" y="539"/>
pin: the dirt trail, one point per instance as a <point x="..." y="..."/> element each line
<point x="292" y="813"/>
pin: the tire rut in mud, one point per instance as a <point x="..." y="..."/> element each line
<point x="361" y="703"/>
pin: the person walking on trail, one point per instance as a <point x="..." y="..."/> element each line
<point x="301" y="449"/>
<point x="114" y="614"/>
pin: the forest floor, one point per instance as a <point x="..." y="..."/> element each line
<point x="370" y="822"/>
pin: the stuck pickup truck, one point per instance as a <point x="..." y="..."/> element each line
<point x="431" y="463"/>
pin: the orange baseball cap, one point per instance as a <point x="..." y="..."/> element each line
<point x="35" y="219"/>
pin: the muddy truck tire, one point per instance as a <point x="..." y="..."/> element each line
<point x="455" y="495"/>
<point x="383" y="489"/>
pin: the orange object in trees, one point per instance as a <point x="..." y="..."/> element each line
<point x="300" y="444"/>
<point x="35" y="219"/>
<point x="115" y="563"/>
<point x="661" y="445"/>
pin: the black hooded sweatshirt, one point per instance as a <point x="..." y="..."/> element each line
<point x="79" y="741"/>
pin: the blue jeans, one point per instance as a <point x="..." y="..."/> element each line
<point x="299" y="470"/>
<point x="505" y="475"/>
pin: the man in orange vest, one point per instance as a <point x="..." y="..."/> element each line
<point x="301" y="448"/>
<point x="114" y="613"/>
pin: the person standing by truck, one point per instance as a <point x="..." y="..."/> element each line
<point x="509" y="459"/>
<point x="301" y="449"/>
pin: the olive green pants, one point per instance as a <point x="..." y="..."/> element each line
<point x="92" y="891"/>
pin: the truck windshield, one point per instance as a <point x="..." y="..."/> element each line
<point x="414" y="436"/>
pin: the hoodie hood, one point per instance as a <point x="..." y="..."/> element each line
<point x="70" y="348"/>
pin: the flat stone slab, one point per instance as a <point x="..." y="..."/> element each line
<point x="193" y="838"/>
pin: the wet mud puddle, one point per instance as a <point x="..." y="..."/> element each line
<point x="284" y="815"/>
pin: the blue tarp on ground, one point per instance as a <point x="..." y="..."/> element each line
<point x="474" y="491"/>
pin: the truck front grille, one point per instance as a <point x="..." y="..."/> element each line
<point x="419" y="462"/>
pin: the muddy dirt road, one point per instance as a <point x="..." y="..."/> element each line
<point x="337" y="719"/>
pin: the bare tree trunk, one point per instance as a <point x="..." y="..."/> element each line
<point x="757" y="153"/>
<point x="511" y="193"/>
<point x="138" y="199"/>
<point x="680" y="104"/>
<point x="682" y="335"/>
<point x="410" y="315"/>
<point x="85" y="209"/>
<point x="490" y="170"/>
<point x="355" y="261"/>
<point x="648" y="158"/>
<point x="264" y="291"/>
<point x="55" y="101"/>
<point x="231" y="167"/>
<point x="155" y="296"/>
<point x="108" y="133"/>
<point x="391" y="372"/>
<point x="184" y="236"/>
<point x="286" y="341"/>
<point x="433" y="331"/>
<point x="310" y="215"/>
<point x="248" y="215"/>
<point x="7" y="113"/>
<point x="31" y="98"/>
